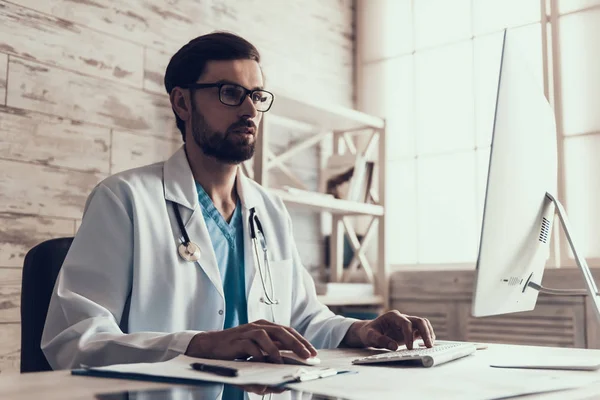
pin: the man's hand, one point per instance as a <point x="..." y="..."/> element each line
<point x="261" y="339"/>
<point x="389" y="331"/>
<point x="262" y="389"/>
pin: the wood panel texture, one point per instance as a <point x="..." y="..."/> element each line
<point x="38" y="190"/>
<point x="50" y="40"/>
<point x="155" y="64"/>
<point x="49" y="90"/>
<point x="10" y="347"/>
<point x="3" y="77"/>
<point x="21" y="232"/>
<point x="446" y="296"/>
<point x="155" y="23"/>
<point x="10" y="295"/>
<point x="52" y="141"/>
<point x="130" y="150"/>
<point x="279" y="29"/>
<point x="82" y="96"/>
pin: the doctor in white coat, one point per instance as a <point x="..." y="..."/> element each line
<point x="141" y="284"/>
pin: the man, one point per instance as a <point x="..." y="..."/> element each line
<point x="164" y="264"/>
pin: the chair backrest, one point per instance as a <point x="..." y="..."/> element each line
<point x="40" y="270"/>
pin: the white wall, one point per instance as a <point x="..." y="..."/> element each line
<point x="579" y="27"/>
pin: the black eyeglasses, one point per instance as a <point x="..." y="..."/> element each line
<point x="234" y="95"/>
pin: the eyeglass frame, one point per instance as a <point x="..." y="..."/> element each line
<point x="219" y="85"/>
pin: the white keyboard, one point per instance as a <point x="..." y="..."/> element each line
<point x="436" y="355"/>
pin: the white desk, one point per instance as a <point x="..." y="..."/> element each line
<point x="457" y="379"/>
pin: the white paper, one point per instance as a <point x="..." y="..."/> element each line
<point x="558" y="362"/>
<point x="179" y="367"/>
<point x="550" y="364"/>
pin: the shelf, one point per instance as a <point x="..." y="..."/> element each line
<point x="373" y="300"/>
<point x="325" y="116"/>
<point x="328" y="204"/>
<point x="315" y="121"/>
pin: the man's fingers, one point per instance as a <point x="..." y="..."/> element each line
<point x="400" y="328"/>
<point x="262" y="323"/>
<point x="264" y="342"/>
<point x="405" y="325"/>
<point x="288" y="340"/>
<point x="376" y="339"/>
<point x="431" y="330"/>
<point x="303" y="340"/>
<point x="285" y="338"/>
<point x="262" y="389"/>
<point x="267" y="324"/>
<point x="421" y="326"/>
<point x="257" y="389"/>
<point x="249" y="347"/>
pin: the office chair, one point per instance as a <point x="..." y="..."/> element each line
<point x="40" y="270"/>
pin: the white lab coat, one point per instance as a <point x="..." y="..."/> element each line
<point x="124" y="295"/>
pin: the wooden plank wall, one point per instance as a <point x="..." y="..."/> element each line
<point x="81" y="97"/>
<point x="445" y="298"/>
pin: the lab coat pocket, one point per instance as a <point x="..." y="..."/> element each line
<point x="282" y="274"/>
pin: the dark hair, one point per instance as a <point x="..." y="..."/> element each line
<point x="189" y="62"/>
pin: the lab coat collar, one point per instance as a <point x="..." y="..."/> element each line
<point x="248" y="194"/>
<point x="180" y="186"/>
<point x="179" y="181"/>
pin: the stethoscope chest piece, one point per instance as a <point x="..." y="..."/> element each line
<point x="189" y="252"/>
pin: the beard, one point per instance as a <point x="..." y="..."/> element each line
<point x="228" y="147"/>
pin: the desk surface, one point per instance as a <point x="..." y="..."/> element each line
<point x="386" y="382"/>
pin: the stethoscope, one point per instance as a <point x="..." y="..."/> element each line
<point x="190" y="251"/>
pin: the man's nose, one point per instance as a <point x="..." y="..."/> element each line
<point x="248" y="108"/>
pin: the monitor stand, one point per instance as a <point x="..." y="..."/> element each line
<point x="591" y="290"/>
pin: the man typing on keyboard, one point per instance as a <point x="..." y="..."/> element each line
<point x="389" y="331"/>
<point x="172" y="258"/>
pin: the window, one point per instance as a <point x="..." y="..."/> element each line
<point x="430" y="68"/>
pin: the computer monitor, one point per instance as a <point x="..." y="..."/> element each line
<point x="520" y="200"/>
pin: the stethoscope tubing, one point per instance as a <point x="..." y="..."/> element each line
<point x="190" y="251"/>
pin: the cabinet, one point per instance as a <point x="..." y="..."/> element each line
<point x="445" y="298"/>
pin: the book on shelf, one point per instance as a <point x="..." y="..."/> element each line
<point x="349" y="177"/>
<point x="365" y="182"/>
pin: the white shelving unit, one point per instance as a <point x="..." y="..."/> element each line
<point x="334" y="206"/>
<point x="340" y="126"/>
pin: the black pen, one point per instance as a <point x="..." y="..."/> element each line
<point x="215" y="369"/>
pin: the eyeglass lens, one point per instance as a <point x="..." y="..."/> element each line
<point x="233" y="95"/>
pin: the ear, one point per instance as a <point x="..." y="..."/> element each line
<point x="180" y="102"/>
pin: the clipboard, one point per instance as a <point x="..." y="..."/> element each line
<point x="289" y="379"/>
<point x="179" y="371"/>
<point x="136" y="376"/>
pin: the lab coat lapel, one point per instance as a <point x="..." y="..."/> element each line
<point x="180" y="188"/>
